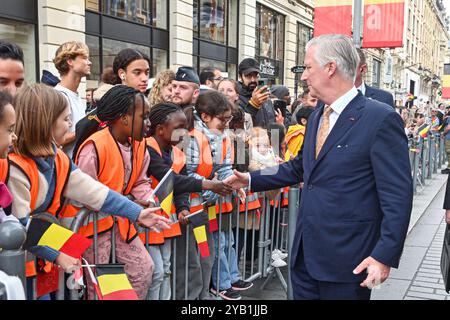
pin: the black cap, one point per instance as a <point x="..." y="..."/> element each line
<point x="248" y="65"/>
<point x="187" y="74"/>
<point x="49" y="79"/>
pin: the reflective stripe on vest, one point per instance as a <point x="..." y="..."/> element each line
<point x="252" y="202"/>
<point x="111" y="173"/>
<point x="178" y="163"/>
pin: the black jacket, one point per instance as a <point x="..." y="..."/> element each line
<point x="183" y="184"/>
<point x="261" y="117"/>
<point x="447" y="195"/>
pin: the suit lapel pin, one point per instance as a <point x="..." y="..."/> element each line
<point x="351" y="119"/>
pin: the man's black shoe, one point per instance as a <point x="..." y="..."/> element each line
<point x="445" y="171"/>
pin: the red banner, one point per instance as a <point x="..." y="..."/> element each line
<point x="333" y="16"/>
<point x="383" y="23"/>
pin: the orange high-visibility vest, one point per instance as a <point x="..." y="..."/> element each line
<point x="111" y="173"/>
<point x="252" y="202"/>
<point x="177" y="165"/>
<point x="205" y="168"/>
<point x="30" y="170"/>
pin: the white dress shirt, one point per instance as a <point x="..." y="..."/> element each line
<point x="338" y="106"/>
<point x="362" y="88"/>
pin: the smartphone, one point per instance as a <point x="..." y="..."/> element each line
<point x="280" y="104"/>
<point x="261" y="83"/>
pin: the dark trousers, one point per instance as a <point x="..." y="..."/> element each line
<point x="306" y="287"/>
<point x="198" y="269"/>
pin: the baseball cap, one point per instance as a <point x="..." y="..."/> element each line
<point x="248" y="65"/>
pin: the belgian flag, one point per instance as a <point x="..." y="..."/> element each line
<point x="199" y="229"/>
<point x="44" y="233"/>
<point x="164" y="192"/>
<point x="212" y="217"/>
<point x="424" y="132"/>
<point x="113" y="282"/>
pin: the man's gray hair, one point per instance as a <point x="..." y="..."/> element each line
<point x="338" y="48"/>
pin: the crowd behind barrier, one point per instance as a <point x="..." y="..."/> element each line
<point x="257" y="258"/>
<point x="263" y="246"/>
<point x="272" y="235"/>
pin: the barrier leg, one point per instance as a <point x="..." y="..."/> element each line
<point x="294" y="193"/>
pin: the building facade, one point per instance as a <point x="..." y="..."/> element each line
<point x="195" y="33"/>
<point x="418" y="65"/>
<point x="221" y="33"/>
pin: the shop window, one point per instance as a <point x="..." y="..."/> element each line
<point x="22" y="34"/>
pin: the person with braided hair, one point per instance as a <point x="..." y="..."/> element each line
<point x="111" y="149"/>
<point x="168" y="124"/>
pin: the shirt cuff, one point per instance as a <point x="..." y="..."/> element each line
<point x="249" y="181"/>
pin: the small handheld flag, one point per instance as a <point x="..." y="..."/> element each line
<point x="111" y="282"/>
<point x="199" y="229"/>
<point x="44" y="233"/>
<point x="424" y="132"/>
<point x="212" y="217"/>
<point x="164" y="192"/>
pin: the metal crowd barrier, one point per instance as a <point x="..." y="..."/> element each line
<point x="427" y="156"/>
<point x="274" y="229"/>
<point x="269" y="233"/>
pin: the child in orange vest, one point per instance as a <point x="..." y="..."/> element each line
<point x="116" y="155"/>
<point x="41" y="176"/>
<point x="296" y="133"/>
<point x="211" y="147"/>
<point x="168" y="124"/>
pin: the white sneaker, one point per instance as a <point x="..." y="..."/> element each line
<point x="278" y="263"/>
<point x="278" y="254"/>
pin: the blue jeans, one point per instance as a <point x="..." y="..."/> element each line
<point x="159" y="290"/>
<point x="165" y="291"/>
<point x="229" y="272"/>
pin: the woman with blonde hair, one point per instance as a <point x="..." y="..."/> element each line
<point x="162" y="87"/>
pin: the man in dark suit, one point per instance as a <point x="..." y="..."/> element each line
<point x="368" y="91"/>
<point x="447" y="201"/>
<point x="357" y="196"/>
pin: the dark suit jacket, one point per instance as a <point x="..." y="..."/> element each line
<point x="357" y="195"/>
<point x="380" y="95"/>
<point x="447" y="194"/>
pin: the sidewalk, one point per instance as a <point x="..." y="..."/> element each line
<point x="418" y="276"/>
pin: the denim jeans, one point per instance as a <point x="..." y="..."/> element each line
<point x="165" y="291"/>
<point x="229" y="272"/>
<point x="158" y="273"/>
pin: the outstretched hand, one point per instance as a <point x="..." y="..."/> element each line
<point x="238" y="180"/>
<point x="377" y="272"/>
<point x="220" y="187"/>
<point x="148" y="218"/>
